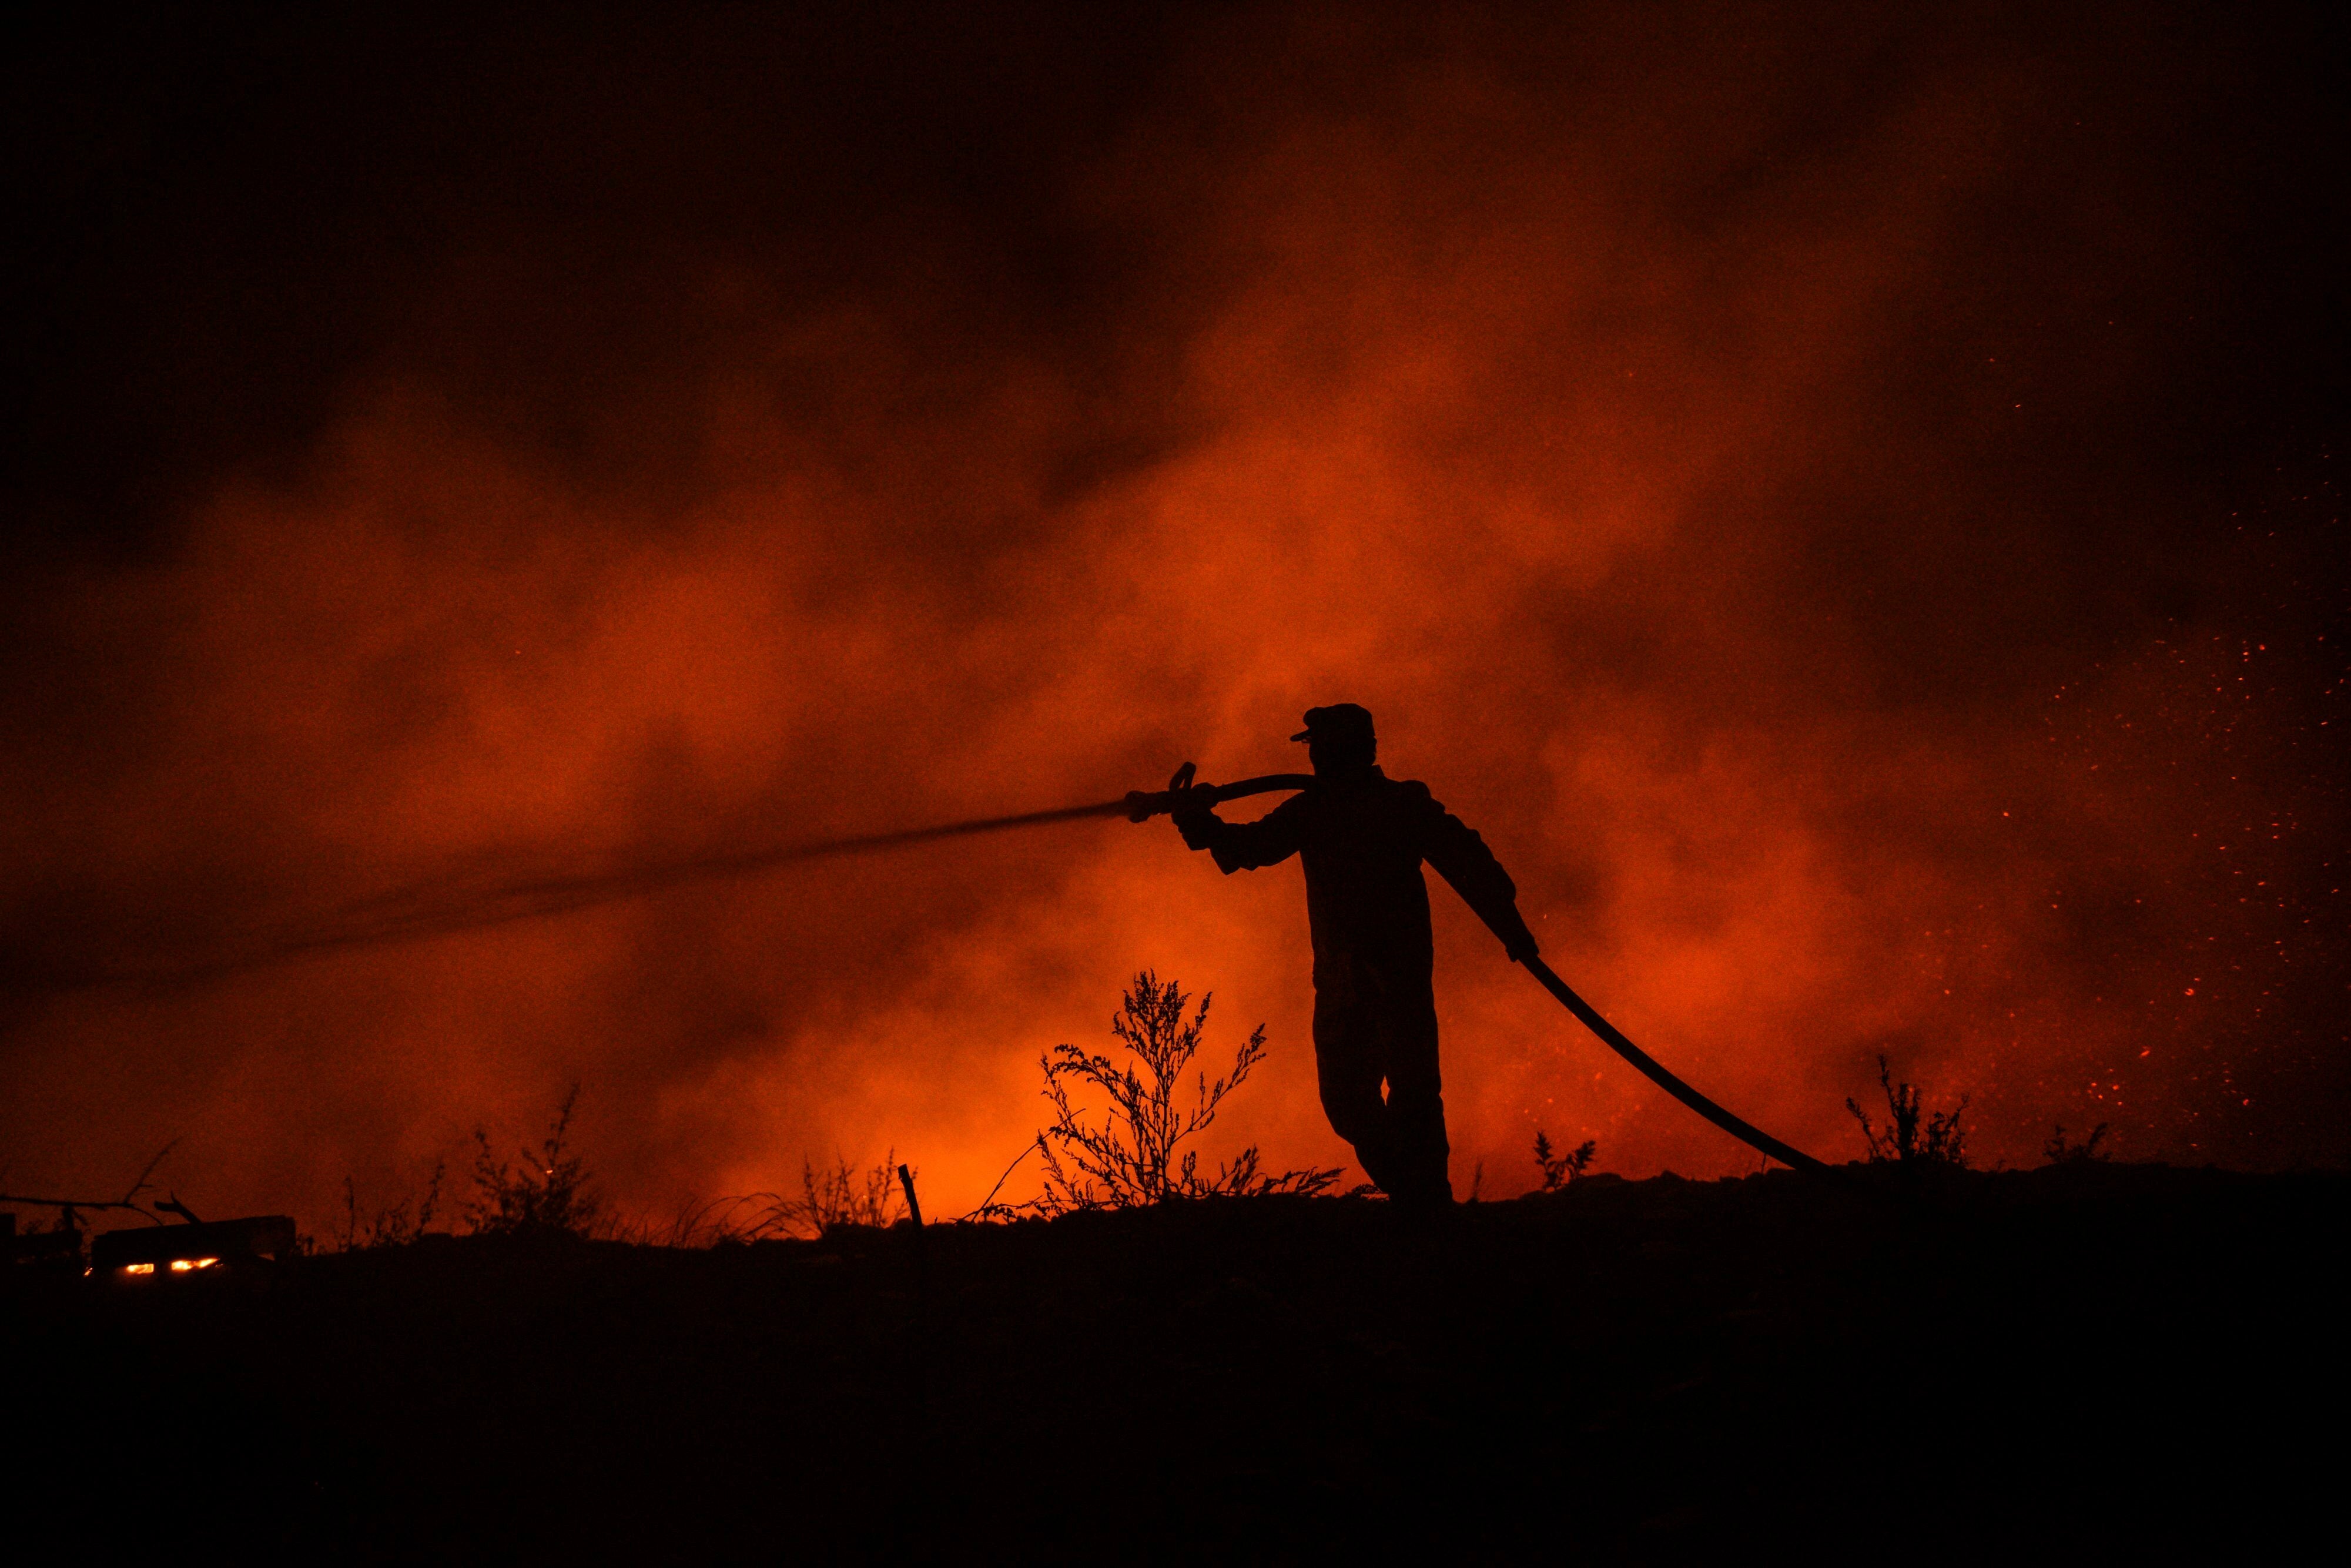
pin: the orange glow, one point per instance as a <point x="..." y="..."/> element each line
<point x="1603" y="439"/>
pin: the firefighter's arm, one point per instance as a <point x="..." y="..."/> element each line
<point x="1461" y="858"/>
<point x="1238" y="846"/>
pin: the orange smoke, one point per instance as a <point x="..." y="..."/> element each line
<point x="1631" y="438"/>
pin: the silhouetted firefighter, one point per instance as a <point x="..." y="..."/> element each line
<point x="1362" y="837"/>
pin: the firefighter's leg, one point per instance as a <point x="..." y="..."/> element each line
<point x="1348" y="1068"/>
<point x="1416" y="1149"/>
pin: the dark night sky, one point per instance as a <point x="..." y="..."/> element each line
<point x="1740" y="451"/>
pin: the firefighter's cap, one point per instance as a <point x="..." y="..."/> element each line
<point x="1340" y="722"/>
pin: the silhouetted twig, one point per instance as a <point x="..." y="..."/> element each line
<point x="1913" y="1134"/>
<point x="129" y="1200"/>
<point x="988" y="1207"/>
<point x="838" y="1196"/>
<point x="2058" y="1152"/>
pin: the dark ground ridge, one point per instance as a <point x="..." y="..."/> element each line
<point x="2082" y="1358"/>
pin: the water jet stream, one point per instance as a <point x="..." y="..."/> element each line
<point x="420" y="914"/>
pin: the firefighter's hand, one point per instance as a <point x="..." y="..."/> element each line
<point x="1518" y="943"/>
<point x="1194" y="815"/>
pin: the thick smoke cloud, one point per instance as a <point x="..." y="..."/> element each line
<point x="1843" y="510"/>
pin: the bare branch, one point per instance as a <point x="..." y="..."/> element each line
<point x="140" y="1186"/>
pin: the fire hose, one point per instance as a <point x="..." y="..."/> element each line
<point x="1182" y="792"/>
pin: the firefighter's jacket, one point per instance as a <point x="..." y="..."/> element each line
<point x="1362" y="837"/>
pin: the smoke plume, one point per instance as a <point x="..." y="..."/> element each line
<point x="1844" y="510"/>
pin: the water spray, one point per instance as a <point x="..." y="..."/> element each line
<point x="444" y="909"/>
<point x="450" y="907"/>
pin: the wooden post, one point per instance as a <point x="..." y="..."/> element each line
<point x="906" y="1180"/>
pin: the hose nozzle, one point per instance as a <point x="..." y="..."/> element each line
<point x="1142" y="805"/>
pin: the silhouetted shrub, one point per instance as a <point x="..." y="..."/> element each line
<point x="1558" y="1170"/>
<point x="1130" y="1157"/>
<point x="548" y="1191"/>
<point x="1938" y="1139"/>
<point x="2058" y="1152"/>
<point x="838" y="1196"/>
<point x="396" y="1226"/>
